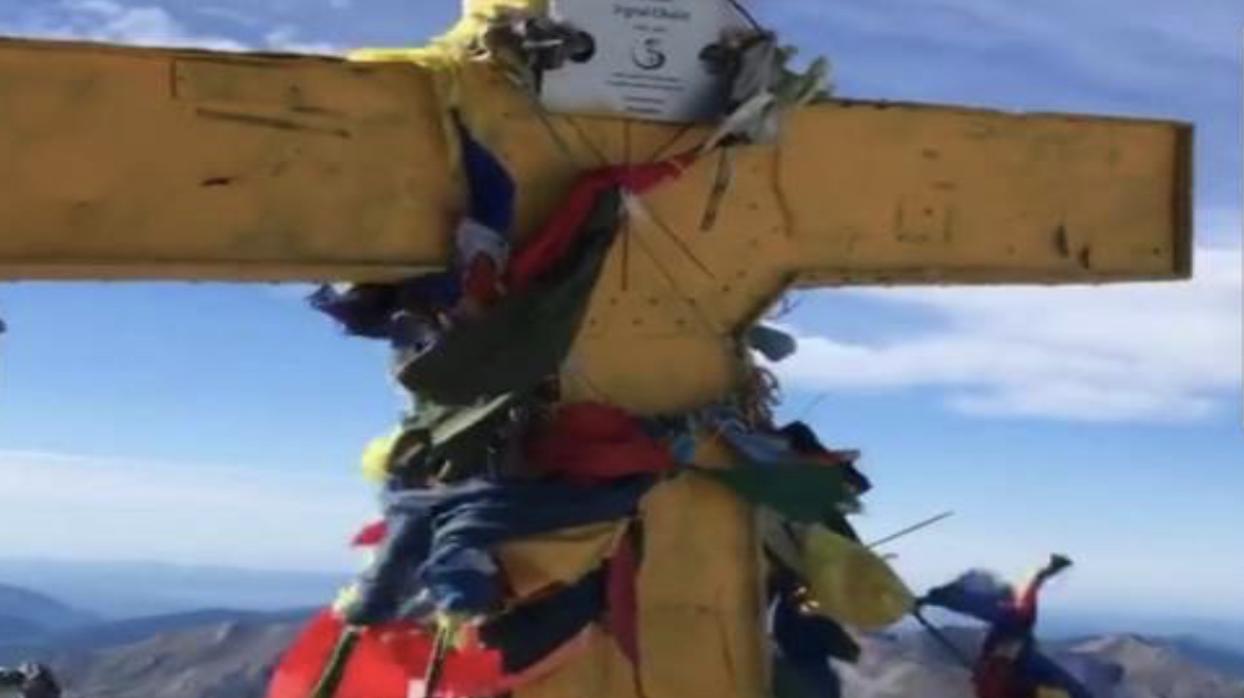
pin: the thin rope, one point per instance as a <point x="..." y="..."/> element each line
<point x="751" y="19"/>
<point x="812" y="406"/>
<point x="562" y="146"/>
<point x="676" y="287"/>
<point x="721" y="187"/>
<point x="911" y="529"/>
<point x="666" y="147"/>
<point x="335" y="670"/>
<point x="682" y="246"/>
<point x="577" y="372"/>
<point x="601" y="158"/>
<point x="626" y="221"/>
<point x="943" y="640"/>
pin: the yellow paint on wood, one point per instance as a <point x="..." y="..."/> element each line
<point x="140" y="163"/>
<point x="971" y="196"/>
<point x="144" y="163"/>
<point x="124" y="163"/>
<point x="151" y="164"/>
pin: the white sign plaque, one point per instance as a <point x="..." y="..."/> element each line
<point x="647" y="61"/>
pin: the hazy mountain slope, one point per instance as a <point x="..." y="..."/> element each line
<point x="13" y="627"/>
<point x="132" y="589"/>
<point x="57" y="645"/>
<point x="220" y="654"/>
<point x="228" y="660"/>
<point x="38" y="610"/>
<point x="1224" y="631"/>
<point x="1225" y="660"/>
<point x="1155" y="669"/>
<point x="912" y="665"/>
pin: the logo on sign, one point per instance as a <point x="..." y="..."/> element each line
<point x="648" y="54"/>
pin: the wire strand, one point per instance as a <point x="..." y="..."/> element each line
<point x="751" y="19"/>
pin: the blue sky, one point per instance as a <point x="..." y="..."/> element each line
<point x="221" y="424"/>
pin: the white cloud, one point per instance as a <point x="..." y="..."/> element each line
<point x="110" y="21"/>
<point x="1159" y="352"/>
<point x="285" y="38"/>
<point x="1134" y="43"/>
<point x="84" y="507"/>
<point x="242" y="19"/>
<point x="151" y="25"/>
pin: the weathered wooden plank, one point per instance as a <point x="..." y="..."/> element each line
<point x="141" y="163"/>
<point x="882" y="193"/>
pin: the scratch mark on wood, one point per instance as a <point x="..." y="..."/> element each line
<point x="174" y="80"/>
<point x="270" y="122"/>
<point x="1086" y="257"/>
<point x="1061" y="243"/>
<point x="316" y="111"/>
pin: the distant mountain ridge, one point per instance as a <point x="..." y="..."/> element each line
<point x="1226" y="660"/>
<point x="14" y="626"/>
<point x="1158" y="669"/>
<point x="111" y="634"/>
<point x="27" y="615"/>
<point x="228" y="654"/>
<point x="132" y="589"/>
<point x="902" y="664"/>
<point x="1227" y="632"/>
<point x="232" y="659"/>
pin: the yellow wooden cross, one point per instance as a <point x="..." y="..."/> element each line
<point x="121" y="163"/>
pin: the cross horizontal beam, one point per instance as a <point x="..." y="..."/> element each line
<point x="142" y="163"/>
<point x="120" y="163"/>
